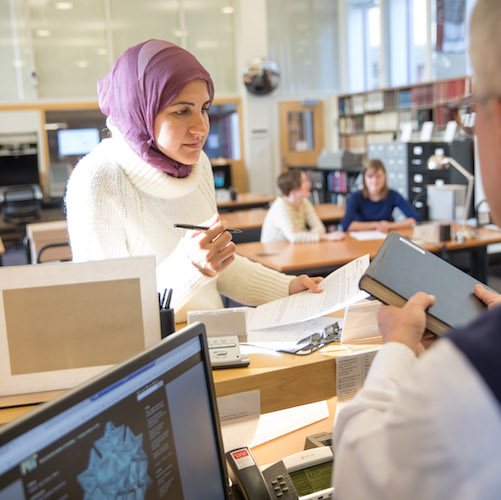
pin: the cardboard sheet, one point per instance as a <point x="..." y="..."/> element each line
<point x="65" y="322"/>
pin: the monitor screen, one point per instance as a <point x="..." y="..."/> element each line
<point x="16" y="170"/>
<point x="78" y="141"/>
<point x="148" y="428"/>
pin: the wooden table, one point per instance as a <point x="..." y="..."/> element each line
<point x="41" y="234"/>
<point x="246" y="200"/>
<point x="325" y="256"/>
<point x="251" y="221"/>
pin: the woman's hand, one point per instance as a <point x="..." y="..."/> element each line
<point x="212" y="250"/>
<point x="406" y="324"/>
<point x="333" y="236"/>
<point x="304" y="282"/>
<point x="490" y="299"/>
<point x="383" y="225"/>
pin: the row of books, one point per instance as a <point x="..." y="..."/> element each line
<point x="406" y="97"/>
<point x="319" y="197"/>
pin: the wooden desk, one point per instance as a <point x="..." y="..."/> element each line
<point x="325" y="256"/>
<point x="251" y="221"/>
<point x="246" y="200"/>
<point x="285" y="380"/>
<point x="41" y="234"/>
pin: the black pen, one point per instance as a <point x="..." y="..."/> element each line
<point x="167" y="300"/>
<point x="204" y="228"/>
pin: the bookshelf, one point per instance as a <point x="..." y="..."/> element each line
<point x="375" y="116"/>
<point x="331" y="185"/>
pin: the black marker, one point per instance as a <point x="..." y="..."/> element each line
<point x="204" y="228"/>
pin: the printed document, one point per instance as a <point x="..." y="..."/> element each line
<point x="340" y="289"/>
<point x="289" y="337"/>
<point x="351" y="372"/>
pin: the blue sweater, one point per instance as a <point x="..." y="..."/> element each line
<point x="359" y="208"/>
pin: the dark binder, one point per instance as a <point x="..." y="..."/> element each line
<point x="401" y="268"/>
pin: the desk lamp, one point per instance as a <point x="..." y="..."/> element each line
<point x="438" y="162"/>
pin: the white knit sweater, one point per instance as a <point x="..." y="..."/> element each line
<point x="117" y="205"/>
<point x="284" y="222"/>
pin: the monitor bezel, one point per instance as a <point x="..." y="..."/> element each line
<point x="51" y="409"/>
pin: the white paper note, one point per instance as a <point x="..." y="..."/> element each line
<point x="360" y="322"/>
<point x="239" y="416"/>
<point x="242" y="426"/>
<point x="368" y="235"/>
<point x="340" y="289"/>
<point x="278" y="423"/>
<point x="351" y="372"/>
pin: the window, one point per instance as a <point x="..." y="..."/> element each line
<point x="363" y="44"/>
<point x="303" y="40"/>
<point x="406" y="41"/>
<point x="449" y="38"/>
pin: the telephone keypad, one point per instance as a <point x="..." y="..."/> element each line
<point x="279" y="482"/>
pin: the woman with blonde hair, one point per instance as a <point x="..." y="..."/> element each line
<point x="372" y="207"/>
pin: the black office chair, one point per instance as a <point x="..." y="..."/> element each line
<point x="20" y="206"/>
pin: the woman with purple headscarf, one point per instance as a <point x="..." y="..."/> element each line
<point x="124" y="197"/>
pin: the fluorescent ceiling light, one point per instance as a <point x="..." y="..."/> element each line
<point x="102" y="51"/>
<point x="227" y="10"/>
<point x="82" y="64"/>
<point x="64" y="5"/>
<point x="42" y="32"/>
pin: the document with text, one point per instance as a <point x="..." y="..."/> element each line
<point x="351" y="372"/>
<point x="288" y="337"/>
<point x="340" y="289"/>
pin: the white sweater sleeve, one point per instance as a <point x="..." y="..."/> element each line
<point x="98" y="205"/>
<point x="251" y="283"/>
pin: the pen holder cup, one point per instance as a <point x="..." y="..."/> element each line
<point x="444" y="232"/>
<point x="167" y="322"/>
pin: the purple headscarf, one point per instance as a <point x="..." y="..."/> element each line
<point x="143" y="81"/>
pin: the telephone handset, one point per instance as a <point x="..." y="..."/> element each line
<point x="307" y="473"/>
<point x="254" y="485"/>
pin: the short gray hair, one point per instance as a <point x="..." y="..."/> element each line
<point x="485" y="45"/>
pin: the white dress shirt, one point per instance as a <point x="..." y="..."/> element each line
<point x="420" y="428"/>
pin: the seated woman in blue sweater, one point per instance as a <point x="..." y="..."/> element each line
<point x="372" y="207"/>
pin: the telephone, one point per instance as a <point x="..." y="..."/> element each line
<point x="305" y="475"/>
<point x="224" y="352"/>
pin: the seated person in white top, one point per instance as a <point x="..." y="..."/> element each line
<point x="429" y="427"/>
<point x="292" y="216"/>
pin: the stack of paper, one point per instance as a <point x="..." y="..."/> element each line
<point x="283" y="323"/>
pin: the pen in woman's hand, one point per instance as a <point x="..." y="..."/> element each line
<point x="204" y="228"/>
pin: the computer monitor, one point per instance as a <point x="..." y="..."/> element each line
<point x="19" y="170"/>
<point x="78" y="141"/>
<point x="147" y="428"/>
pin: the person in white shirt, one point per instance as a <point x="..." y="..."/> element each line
<point x="292" y="216"/>
<point x="124" y="197"/>
<point x="427" y="424"/>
